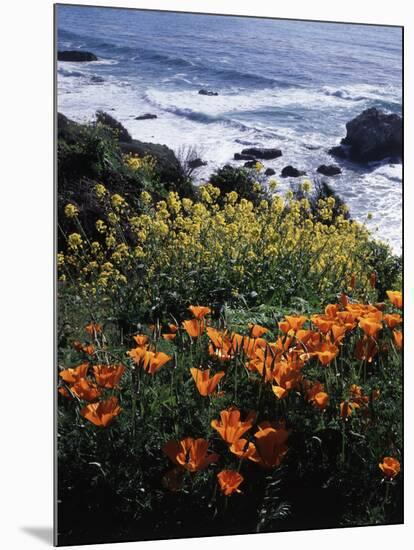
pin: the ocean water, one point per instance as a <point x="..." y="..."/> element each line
<point x="286" y="84"/>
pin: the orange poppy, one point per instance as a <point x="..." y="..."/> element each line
<point x="141" y="340"/>
<point x="287" y="374"/>
<point x="270" y="445"/>
<point x="243" y="449"/>
<point x="230" y="427"/>
<point x="93" y="329"/>
<point x="64" y="392"/>
<point x="392" y="320"/>
<point x="390" y="467"/>
<point x="72" y="375"/>
<point x="398" y="338"/>
<point x="229" y="482"/>
<point x="257" y="331"/>
<point x="101" y="413"/>
<point x="317" y="396"/>
<point x="326" y="353"/>
<point x="395" y="298"/>
<point x="366" y="349"/>
<point x="323" y="323"/>
<point x="346" y="408"/>
<point x="221" y="346"/>
<point x="85" y="348"/>
<point x="370" y="326"/>
<point x="344" y="299"/>
<point x="194" y="327"/>
<point x="190" y="453"/>
<point x="205" y="384"/>
<point x="199" y="312"/>
<point x="108" y="376"/>
<point x="357" y="395"/>
<point x="292" y="323"/>
<point x="150" y="361"/>
<point x="172" y="334"/>
<point x="85" y="390"/>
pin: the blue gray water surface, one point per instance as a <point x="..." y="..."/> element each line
<point x="289" y="84"/>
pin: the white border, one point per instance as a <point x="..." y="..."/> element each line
<point x="27" y="277"/>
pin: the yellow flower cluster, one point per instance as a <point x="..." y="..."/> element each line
<point x="246" y="244"/>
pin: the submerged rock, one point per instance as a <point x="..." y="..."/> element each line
<point x="262" y="152"/>
<point x="207" y="92"/>
<point x="76" y="55"/>
<point x="291" y="172"/>
<point x="240" y="156"/>
<point x="196" y="163"/>
<point x="372" y="135"/>
<point x="329" y="170"/>
<point x="269" y="172"/>
<point x="147" y="116"/>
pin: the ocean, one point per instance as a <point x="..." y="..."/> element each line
<point x="286" y="84"/>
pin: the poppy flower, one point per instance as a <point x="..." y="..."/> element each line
<point x="64" y="392"/>
<point x="346" y="408"/>
<point x="243" y="449"/>
<point x="292" y="323"/>
<point x="230" y="427"/>
<point x="395" y="298"/>
<point x="344" y="299"/>
<point x="366" y="349"/>
<point x="199" y="312"/>
<point x="150" y="361"/>
<point x="390" y="467"/>
<point x="93" y="329"/>
<point x="229" y="482"/>
<point x="85" y="348"/>
<point x="190" y="453"/>
<point x="323" y="323"/>
<point x="357" y="395"/>
<point x="287" y="374"/>
<point x="101" y="413"/>
<point x="108" y="376"/>
<point x="398" y="338"/>
<point x="205" y="384"/>
<point x="141" y="340"/>
<point x="317" y="396"/>
<point x="370" y="326"/>
<point x="72" y="375"/>
<point x="270" y="445"/>
<point x="326" y="353"/>
<point x="221" y="346"/>
<point x="194" y="327"/>
<point x="257" y="331"/>
<point x="392" y="320"/>
<point x="83" y="389"/>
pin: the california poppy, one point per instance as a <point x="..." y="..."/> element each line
<point x="292" y="323"/>
<point x="85" y="390"/>
<point x="392" y="320"/>
<point x="93" y="329"/>
<point x="230" y="427"/>
<point x="370" y="326"/>
<point x="229" y="482"/>
<point x="326" y="353"/>
<point x="390" y="467"/>
<point x="243" y="449"/>
<point x="141" y="340"/>
<point x="257" y="331"/>
<point x="205" y="384"/>
<point x="108" y="376"/>
<point x="199" y="312"/>
<point x="150" y="361"/>
<point x="395" y="298"/>
<point x="194" y="327"/>
<point x="221" y="346"/>
<point x="366" y="349"/>
<point x="317" y="396"/>
<point x="398" y="338"/>
<point x="190" y="453"/>
<point x="346" y="408"/>
<point x="101" y="413"/>
<point x="270" y="445"/>
<point x="72" y="375"/>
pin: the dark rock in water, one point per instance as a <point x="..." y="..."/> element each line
<point x="97" y="79"/>
<point x="76" y="55"/>
<point x="196" y="163"/>
<point x="147" y="116"/>
<point x="372" y="135"/>
<point x="329" y="170"/>
<point x="291" y="172"/>
<point x="340" y="151"/>
<point x="207" y="92"/>
<point x="262" y="152"/>
<point x="312" y="147"/>
<point x="240" y="156"/>
<point x="111" y="122"/>
<point x="269" y="172"/>
<point x="250" y="164"/>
